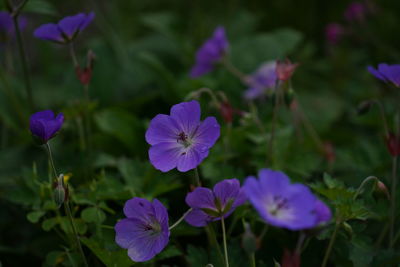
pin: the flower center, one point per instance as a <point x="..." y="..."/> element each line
<point x="184" y="139"/>
<point x="278" y="205"/>
<point x="153" y="226"/>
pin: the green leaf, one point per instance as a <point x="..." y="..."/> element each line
<point x="80" y="226"/>
<point x="34" y="216"/>
<point x="48" y="224"/>
<point x="117" y="258"/>
<point x="169" y="252"/>
<point x="93" y="214"/>
<point x="40" y="7"/>
<point x="197" y="256"/>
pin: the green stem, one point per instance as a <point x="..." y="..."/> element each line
<point x="300" y="242"/>
<point x="197" y="176"/>
<point x="366" y="180"/>
<point x="274" y="119"/>
<point x="73" y="54"/>
<point x="180" y="219"/>
<point x="253" y="259"/>
<point x="71" y="220"/>
<point x="393" y="202"/>
<point x="24" y="60"/>
<point x="234" y="71"/>
<point x="330" y="245"/>
<point x="224" y="241"/>
<point x="67" y="208"/>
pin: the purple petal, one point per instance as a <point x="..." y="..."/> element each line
<point x="187" y="116"/>
<point x="6" y="23"/>
<point x="162" y="128"/>
<point x="45" y="114"/>
<point x="165" y="156"/>
<point x="126" y="232"/>
<point x="198" y="218"/>
<point x="322" y="212"/>
<point x="200" y="198"/>
<point x="49" y="32"/>
<point x="253" y="93"/>
<point x="71" y="25"/>
<point x="200" y="69"/>
<point x="138" y="208"/>
<point x="274" y="182"/>
<point x="161" y="214"/>
<point x="376" y="73"/>
<point x="208" y="132"/>
<point x="227" y="190"/>
<point x="391" y="72"/>
<point x="87" y="21"/>
<point x="188" y="160"/>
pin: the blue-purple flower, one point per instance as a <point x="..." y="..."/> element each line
<point x="387" y="73"/>
<point x="145" y="231"/>
<point x="66" y="29"/>
<point x="261" y="81"/>
<point x="210" y="53"/>
<point x="180" y="140"/>
<point x="210" y="205"/>
<point x="44" y="125"/>
<point x="282" y="204"/>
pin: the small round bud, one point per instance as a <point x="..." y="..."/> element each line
<point x="249" y="240"/>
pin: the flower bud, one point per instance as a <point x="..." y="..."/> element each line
<point x="61" y="191"/>
<point x="85" y="75"/>
<point x="382" y="189"/>
<point x="393" y="144"/>
<point x="285" y="69"/>
<point x="290" y="259"/>
<point x="226" y="111"/>
<point x="249" y="240"/>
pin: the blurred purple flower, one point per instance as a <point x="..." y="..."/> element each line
<point x="291" y="206"/>
<point x="212" y="51"/>
<point x="334" y="32"/>
<point x="209" y="206"/>
<point x="387" y="73"/>
<point x="44" y="125"/>
<point x="145" y="231"/>
<point x="181" y="140"/>
<point x="7" y="29"/>
<point x="356" y="11"/>
<point x="66" y="29"/>
<point x="261" y="81"/>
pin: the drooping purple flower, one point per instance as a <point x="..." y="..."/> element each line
<point x="65" y="30"/>
<point x="44" y="125"/>
<point x="145" y="231"/>
<point x="334" y="32"/>
<point x="7" y="29"/>
<point x="261" y="81"/>
<point x="212" y="51"/>
<point x="322" y="211"/>
<point x="180" y="139"/>
<point x="356" y="11"/>
<point x="210" y="205"/>
<point x="282" y="204"/>
<point x="387" y="73"/>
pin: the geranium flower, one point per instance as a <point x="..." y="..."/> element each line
<point x="65" y="30"/>
<point x="210" y="205"/>
<point x="44" y="125"/>
<point x="282" y="204"/>
<point x="210" y="53"/>
<point x="387" y="73"/>
<point x="181" y="140"/>
<point x="261" y="81"/>
<point x="145" y="231"/>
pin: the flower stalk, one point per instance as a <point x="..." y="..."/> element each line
<point x="331" y="242"/>
<point x="224" y="241"/>
<point x="180" y="219"/>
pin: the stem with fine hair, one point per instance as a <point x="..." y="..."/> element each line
<point x="180" y="219"/>
<point x="224" y="241"/>
<point x="67" y="209"/>
<point x="330" y="245"/>
<point x="393" y="202"/>
<point x="197" y="177"/>
<point x="366" y="180"/>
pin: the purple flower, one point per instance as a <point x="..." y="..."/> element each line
<point x="145" y="231"/>
<point x="387" y="73"/>
<point x="281" y="203"/>
<point x="210" y="53"/>
<point x="261" y="81"/>
<point x="356" y="11"/>
<point x="65" y="30"/>
<point x="44" y="125"/>
<point x="209" y="206"/>
<point x="334" y="32"/>
<point x="7" y="29"/>
<point x="181" y="140"/>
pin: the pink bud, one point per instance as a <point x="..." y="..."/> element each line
<point x="284" y="69"/>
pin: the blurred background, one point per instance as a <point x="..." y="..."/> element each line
<point x="143" y="54"/>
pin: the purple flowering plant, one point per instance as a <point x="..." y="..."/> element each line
<point x="44" y="125"/>
<point x="210" y="205"/>
<point x="66" y="30"/>
<point x="261" y="81"/>
<point x="387" y="73"/>
<point x="180" y="140"/>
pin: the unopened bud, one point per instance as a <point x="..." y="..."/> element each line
<point x="393" y="144"/>
<point x="290" y="259"/>
<point x="364" y="107"/>
<point x="60" y="191"/>
<point x="85" y="74"/>
<point x="285" y="69"/>
<point x="249" y="240"/>
<point x="382" y="189"/>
